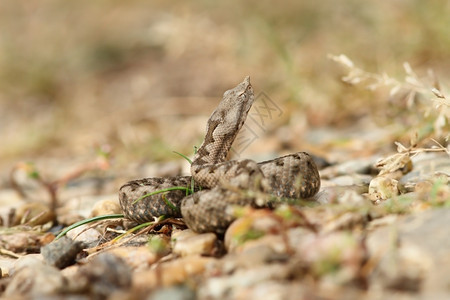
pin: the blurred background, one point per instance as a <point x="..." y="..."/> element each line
<point x="143" y="76"/>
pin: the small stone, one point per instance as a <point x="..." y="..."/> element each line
<point x="26" y="261"/>
<point x="383" y="188"/>
<point x="32" y="277"/>
<point x="251" y="227"/>
<point x="106" y="207"/>
<point x="61" y="253"/>
<point x="85" y="234"/>
<point x="179" y="235"/>
<point x="29" y="242"/>
<point x="197" y="244"/>
<point x="135" y="257"/>
<point x="105" y="274"/>
<point x="250" y="257"/>
<point x="172" y="272"/>
<point x="275" y="241"/>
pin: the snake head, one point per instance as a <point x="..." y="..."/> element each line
<point x="232" y="111"/>
<point x="237" y="102"/>
<point x="225" y="123"/>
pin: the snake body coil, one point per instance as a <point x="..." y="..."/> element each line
<point x="223" y="183"/>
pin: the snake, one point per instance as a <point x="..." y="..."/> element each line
<point x="206" y="200"/>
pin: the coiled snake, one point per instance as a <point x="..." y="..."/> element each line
<point x="220" y="184"/>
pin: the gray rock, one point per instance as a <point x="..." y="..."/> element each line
<point x="61" y="253"/>
<point x="413" y="254"/>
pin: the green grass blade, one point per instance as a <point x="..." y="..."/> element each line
<point x="132" y="230"/>
<point x="86" y="221"/>
<point x="168" y="203"/>
<point x="175" y="188"/>
<point x="183" y="156"/>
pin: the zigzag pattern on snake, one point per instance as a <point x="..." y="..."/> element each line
<point x="223" y="183"/>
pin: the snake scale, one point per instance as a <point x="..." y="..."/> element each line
<point x="219" y="184"/>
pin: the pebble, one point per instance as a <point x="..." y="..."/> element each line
<point x="253" y="226"/>
<point x="136" y="257"/>
<point x="32" y="277"/>
<point x="412" y="255"/>
<point x="276" y="242"/>
<point x="187" y="243"/>
<point x="85" y="234"/>
<point x="102" y="276"/>
<point x="19" y="242"/>
<point x="106" y="207"/>
<point x="61" y="253"/>
<point x="172" y="272"/>
<point x="258" y="254"/>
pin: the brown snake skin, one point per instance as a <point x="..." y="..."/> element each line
<point x="223" y="183"/>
